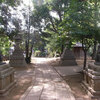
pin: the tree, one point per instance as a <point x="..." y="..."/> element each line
<point x="5" y="28"/>
<point x="48" y="24"/>
<point x="95" y="6"/>
<point x="4" y="45"/>
<point x="81" y="24"/>
<point x="13" y="24"/>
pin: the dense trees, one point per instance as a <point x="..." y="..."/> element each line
<point x="48" y="26"/>
<point x="5" y="24"/>
<point x="81" y="24"/>
<point x="69" y="20"/>
<point x="47" y="19"/>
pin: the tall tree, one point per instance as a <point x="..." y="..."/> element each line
<point x="5" y="24"/>
<point x="81" y="24"/>
<point x="47" y="19"/>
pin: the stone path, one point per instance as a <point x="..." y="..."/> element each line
<point x="47" y="85"/>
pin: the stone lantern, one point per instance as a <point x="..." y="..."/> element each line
<point x="92" y="77"/>
<point x="7" y="80"/>
<point x="67" y="57"/>
<point x="17" y="58"/>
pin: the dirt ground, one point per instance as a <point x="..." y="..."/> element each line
<point x="75" y="83"/>
<point x="22" y="83"/>
<point x="25" y="80"/>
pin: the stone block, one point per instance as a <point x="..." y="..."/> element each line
<point x="67" y="58"/>
<point x="92" y="81"/>
<point x="7" y="81"/>
<point x="68" y="63"/>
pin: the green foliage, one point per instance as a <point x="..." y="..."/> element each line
<point x="4" y="45"/>
<point x="10" y="2"/>
<point x="5" y="19"/>
<point x="68" y="20"/>
<point x="49" y="24"/>
<point x="56" y="22"/>
<point x="37" y="53"/>
<point x="80" y="20"/>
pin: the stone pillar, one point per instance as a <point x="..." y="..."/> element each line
<point x="92" y="77"/>
<point x="17" y="58"/>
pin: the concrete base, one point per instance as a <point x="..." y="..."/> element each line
<point x="17" y="63"/>
<point x="67" y="63"/>
<point x="7" y="81"/>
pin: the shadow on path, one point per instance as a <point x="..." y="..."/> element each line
<point x="47" y="84"/>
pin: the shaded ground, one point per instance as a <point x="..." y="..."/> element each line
<point x="74" y="80"/>
<point x="75" y="83"/>
<point x="24" y="78"/>
<point x="48" y="84"/>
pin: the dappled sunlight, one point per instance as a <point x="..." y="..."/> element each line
<point x="46" y="43"/>
<point x="45" y="83"/>
<point x="35" y="89"/>
<point x="42" y="60"/>
<point x="48" y="84"/>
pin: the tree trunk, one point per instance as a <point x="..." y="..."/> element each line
<point x="85" y="60"/>
<point x="94" y="50"/>
<point x="30" y="54"/>
<point x="27" y="40"/>
<point x="95" y="42"/>
<point x="62" y="48"/>
<point x="27" y="52"/>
